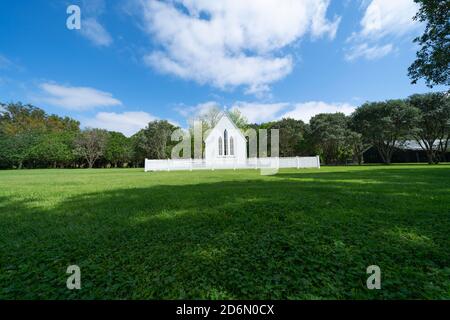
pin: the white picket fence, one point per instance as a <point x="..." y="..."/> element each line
<point x="231" y="164"/>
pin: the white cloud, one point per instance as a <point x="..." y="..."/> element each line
<point x="305" y="111"/>
<point x="387" y="17"/>
<point x="320" y="25"/>
<point x="93" y="7"/>
<point x="254" y="112"/>
<point x="8" y="64"/>
<point x="370" y="53"/>
<point x="128" y="122"/>
<point x="198" y="110"/>
<point x="265" y="112"/>
<point x="4" y="62"/>
<point x="76" y="98"/>
<point x="384" y="22"/>
<point x="259" y="112"/>
<point x="95" y="32"/>
<point x="231" y="43"/>
<point x="90" y="25"/>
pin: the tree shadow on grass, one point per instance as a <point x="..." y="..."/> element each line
<point x="294" y="236"/>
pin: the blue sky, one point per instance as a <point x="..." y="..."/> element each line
<point x="138" y="60"/>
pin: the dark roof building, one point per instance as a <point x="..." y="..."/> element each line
<point x="408" y="151"/>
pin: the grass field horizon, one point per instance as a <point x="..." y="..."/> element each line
<point x="301" y="234"/>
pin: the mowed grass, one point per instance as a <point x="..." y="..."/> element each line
<point x="302" y="234"/>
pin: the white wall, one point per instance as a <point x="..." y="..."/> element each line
<point x="231" y="163"/>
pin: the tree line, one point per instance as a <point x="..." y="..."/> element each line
<point x="30" y="138"/>
<point x="385" y="125"/>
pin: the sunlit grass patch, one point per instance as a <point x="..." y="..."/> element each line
<point x="301" y="234"/>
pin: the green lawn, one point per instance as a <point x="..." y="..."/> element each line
<point x="302" y="234"/>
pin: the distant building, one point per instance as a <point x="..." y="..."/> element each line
<point x="408" y="151"/>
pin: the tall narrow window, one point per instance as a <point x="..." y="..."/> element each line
<point x="225" y="143"/>
<point x="231" y="146"/>
<point x="220" y="146"/>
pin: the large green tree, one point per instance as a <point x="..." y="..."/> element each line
<point x="433" y="58"/>
<point x="433" y="125"/>
<point x="385" y="125"/>
<point x="238" y="118"/>
<point x="328" y="133"/>
<point x="138" y="153"/>
<point x="356" y="143"/>
<point x="18" y="118"/>
<point x="53" y="149"/>
<point x="118" y="149"/>
<point x="16" y="149"/>
<point x="154" y="142"/>
<point x="90" y="145"/>
<point x="25" y="131"/>
<point x="292" y="136"/>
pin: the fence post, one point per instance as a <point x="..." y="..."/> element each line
<point x="190" y="165"/>
<point x="168" y="164"/>
<point x="298" y="162"/>
<point x="318" y="162"/>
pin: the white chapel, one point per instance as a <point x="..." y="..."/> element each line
<point x="225" y="143"/>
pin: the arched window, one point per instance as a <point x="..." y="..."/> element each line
<point x="225" y="143"/>
<point x="220" y="146"/>
<point x="231" y="146"/>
